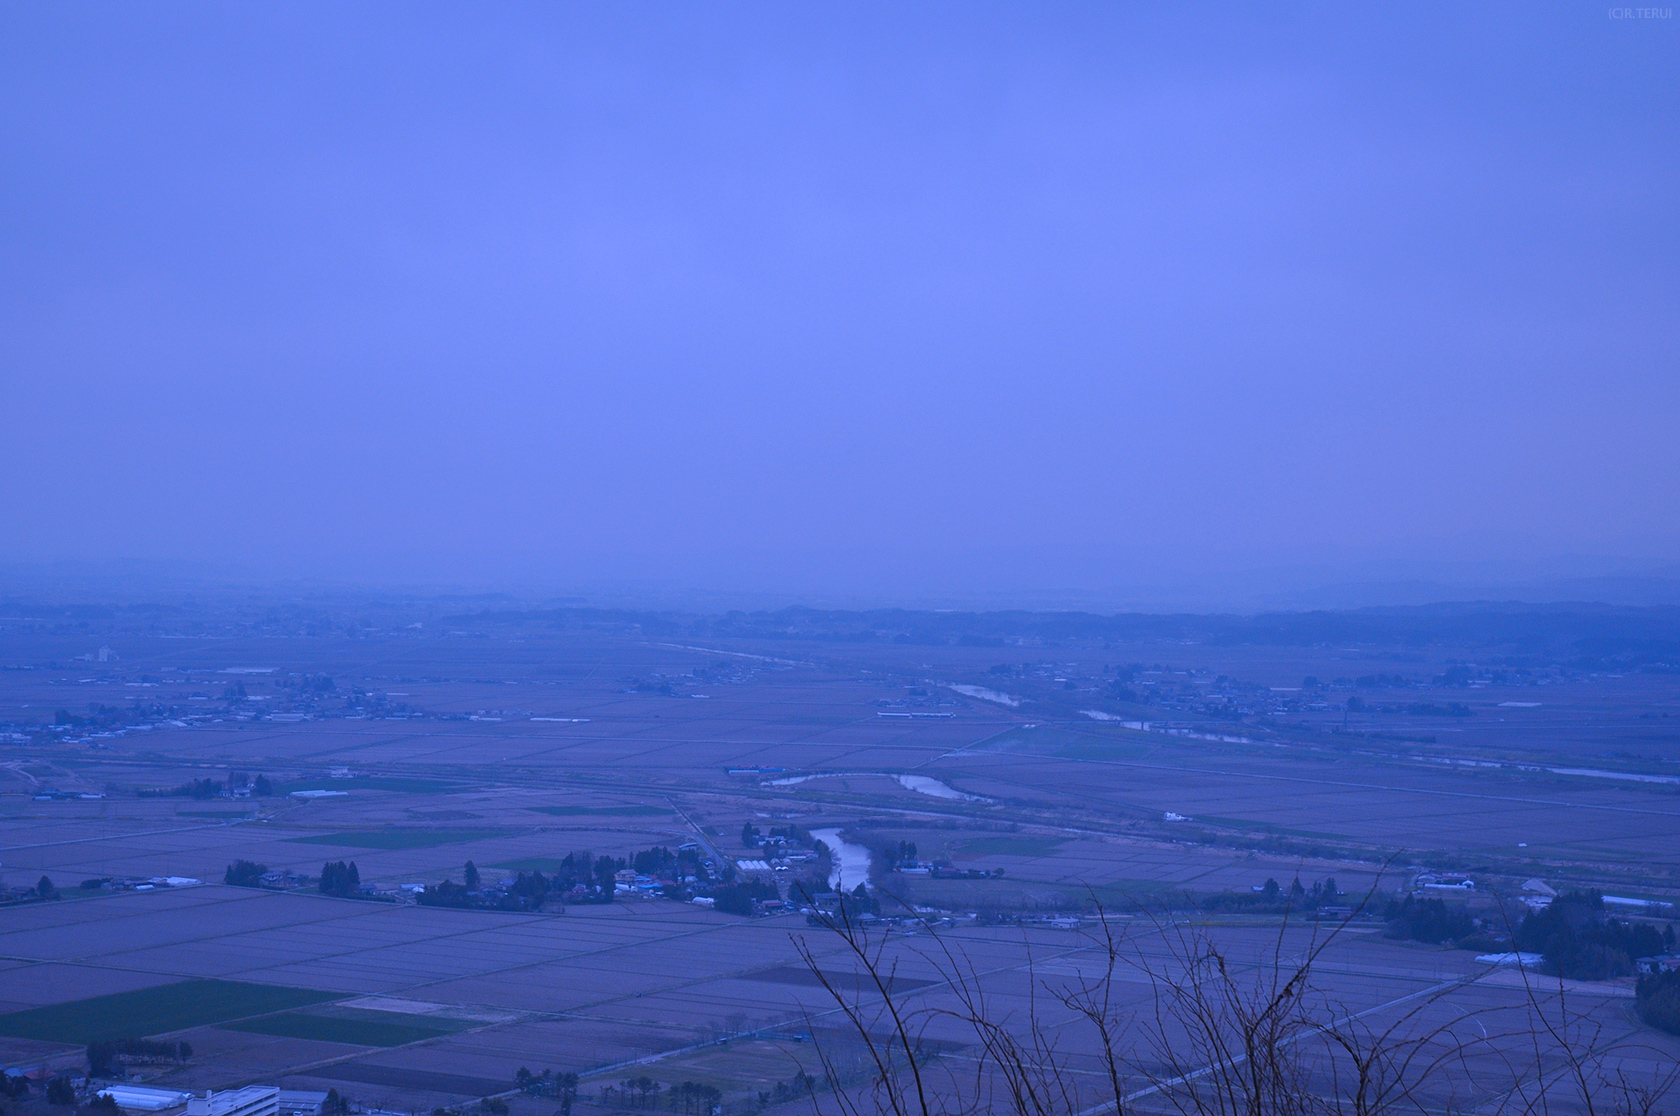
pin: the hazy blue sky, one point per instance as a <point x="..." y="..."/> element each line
<point x="872" y="300"/>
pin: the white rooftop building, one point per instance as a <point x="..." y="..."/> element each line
<point x="302" y="1102"/>
<point x="253" y="1100"/>
<point x="138" y="1098"/>
<point x="1446" y="883"/>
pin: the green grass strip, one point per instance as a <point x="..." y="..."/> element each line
<point x="154" y="1011"/>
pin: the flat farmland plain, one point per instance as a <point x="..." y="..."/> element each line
<point x="606" y="990"/>
<point x="1069" y="776"/>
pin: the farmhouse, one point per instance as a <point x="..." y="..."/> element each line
<point x="1662" y="963"/>
<point x="1446" y="883"/>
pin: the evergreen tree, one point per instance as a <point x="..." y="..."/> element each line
<point x="244" y="873"/>
<point x="341" y="879"/>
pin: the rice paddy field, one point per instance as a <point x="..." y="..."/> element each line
<point x="512" y="746"/>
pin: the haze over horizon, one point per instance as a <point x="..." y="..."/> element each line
<point x="862" y="559"/>
<point x="1140" y="308"/>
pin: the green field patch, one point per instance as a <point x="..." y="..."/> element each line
<point x="1039" y="736"/>
<point x="154" y="1011"/>
<point x="398" y="838"/>
<point x="352" y="1026"/>
<point x="1268" y="827"/>
<point x="374" y="782"/>
<point x="601" y="811"/>
<point x="1119" y="748"/>
<point x="1008" y="846"/>
<point x="211" y="814"/>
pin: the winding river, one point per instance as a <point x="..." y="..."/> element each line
<point x="921" y="784"/>
<point x="850" y="861"/>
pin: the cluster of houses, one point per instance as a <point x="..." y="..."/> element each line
<point x="944" y="870"/>
<point x="628" y="881"/>
<point x="782" y="860"/>
<point x="1537" y="895"/>
<point x="44" y="888"/>
<point x="780" y="850"/>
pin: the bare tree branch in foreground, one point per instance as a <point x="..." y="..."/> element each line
<point x="1211" y="1037"/>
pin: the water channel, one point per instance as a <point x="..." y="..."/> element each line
<point x="921" y="784"/>
<point x="850" y="861"/>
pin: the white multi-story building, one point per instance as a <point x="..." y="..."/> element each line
<point x="253" y="1100"/>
